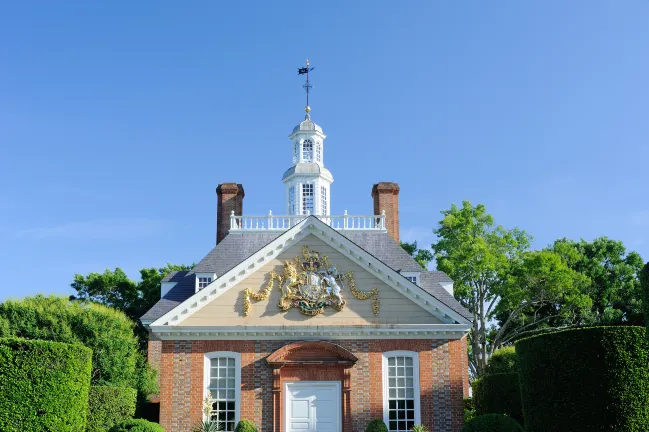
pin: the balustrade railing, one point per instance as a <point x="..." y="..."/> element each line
<point x="273" y="222"/>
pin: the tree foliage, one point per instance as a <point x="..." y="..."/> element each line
<point x="614" y="285"/>
<point x="422" y="256"/>
<point x="496" y="276"/>
<point x="116" y="360"/>
<point x="116" y="290"/>
<point x="644" y="282"/>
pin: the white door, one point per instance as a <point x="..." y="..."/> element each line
<point x="313" y="406"/>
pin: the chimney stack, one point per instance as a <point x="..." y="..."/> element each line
<point x="229" y="198"/>
<point x="386" y="197"/>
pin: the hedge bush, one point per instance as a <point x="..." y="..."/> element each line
<point x="44" y="385"/>
<point x="245" y="426"/>
<point x="108" y="406"/>
<point x="591" y="379"/>
<point x="492" y="423"/>
<point x="498" y="394"/>
<point x="502" y="361"/>
<point x="137" y="425"/>
<point x="376" y="425"/>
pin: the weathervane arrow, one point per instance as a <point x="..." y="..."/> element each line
<point x="307" y="86"/>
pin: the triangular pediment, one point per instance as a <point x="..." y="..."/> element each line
<point x="249" y="295"/>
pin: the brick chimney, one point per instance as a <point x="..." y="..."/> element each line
<point x="229" y="198"/>
<point x="386" y="197"/>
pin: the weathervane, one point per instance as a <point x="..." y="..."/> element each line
<point x="307" y="87"/>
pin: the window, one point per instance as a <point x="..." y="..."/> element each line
<point x="400" y="390"/>
<point x="318" y="152"/>
<point x="412" y="279"/>
<point x="223" y="381"/>
<point x="296" y="146"/>
<point x="307" y="198"/>
<point x="412" y="276"/>
<point x="307" y="151"/>
<point x="203" y="282"/>
<point x="323" y="200"/>
<point x="291" y="200"/>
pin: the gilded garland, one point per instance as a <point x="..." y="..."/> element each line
<point x="310" y="283"/>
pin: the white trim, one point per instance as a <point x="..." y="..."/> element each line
<point x="333" y="332"/>
<point x="415" y="378"/>
<point x="237" y="381"/>
<point x="311" y="225"/>
<point x="311" y="384"/>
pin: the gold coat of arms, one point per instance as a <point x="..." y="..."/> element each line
<point x="310" y="283"/>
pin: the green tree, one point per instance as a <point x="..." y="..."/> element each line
<point x="496" y="276"/>
<point x="114" y="289"/>
<point x="614" y="275"/>
<point x="422" y="256"/>
<point x="116" y="360"/>
<point x="644" y="281"/>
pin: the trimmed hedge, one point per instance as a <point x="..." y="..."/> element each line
<point x="44" y="385"/>
<point x="245" y="426"/>
<point x="376" y="425"/>
<point x="137" y="425"/>
<point x="502" y="361"/>
<point x="498" y="394"/>
<point x="591" y="379"/>
<point x="492" y="423"/>
<point x="108" y="406"/>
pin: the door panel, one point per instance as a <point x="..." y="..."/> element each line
<point x="313" y="406"/>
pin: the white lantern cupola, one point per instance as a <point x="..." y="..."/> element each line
<point x="308" y="182"/>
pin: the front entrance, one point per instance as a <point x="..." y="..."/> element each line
<point x="313" y="406"/>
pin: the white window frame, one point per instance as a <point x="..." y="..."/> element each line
<point x="304" y="197"/>
<point x="291" y="201"/>
<point x="318" y="151"/>
<point x="323" y="200"/>
<point x="415" y="377"/>
<point x="412" y="275"/>
<point x="210" y="276"/>
<point x="306" y="152"/>
<point x="237" y="378"/>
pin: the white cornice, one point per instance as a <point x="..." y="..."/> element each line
<point x="311" y="225"/>
<point x="424" y="331"/>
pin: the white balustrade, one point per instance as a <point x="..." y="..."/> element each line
<point x="273" y="222"/>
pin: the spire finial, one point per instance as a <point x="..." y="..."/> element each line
<point x="307" y="86"/>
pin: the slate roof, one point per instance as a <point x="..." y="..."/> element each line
<point x="235" y="248"/>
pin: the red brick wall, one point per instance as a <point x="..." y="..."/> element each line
<point x="443" y="376"/>
<point x="154" y="352"/>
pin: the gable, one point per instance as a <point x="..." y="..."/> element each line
<point x="228" y="308"/>
<point x="455" y="317"/>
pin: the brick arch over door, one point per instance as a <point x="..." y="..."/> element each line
<point x="311" y="361"/>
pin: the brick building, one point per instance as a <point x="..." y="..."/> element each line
<point x="310" y="322"/>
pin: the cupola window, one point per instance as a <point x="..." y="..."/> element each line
<point x="307" y="150"/>
<point x="318" y="152"/>
<point x="307" y="198"/>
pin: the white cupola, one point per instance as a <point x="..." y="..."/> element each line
<point x="308" y="181"/>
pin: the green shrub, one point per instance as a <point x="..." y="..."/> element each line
<point x="492" y="423"/>
<point x="245" y="426"/>
<point x="44" y="386"/>
<point x="108" y="406"/>
<point x="591" y="379"/>
<point x="419" y="428"/>
<point x="469" y="409"/>
<point x="644" y="284"/>
<point x="137" y="425"/>
<point x="116" y="359"/>
<point x="376" y="425"/>
<point x="502" y="361"/>
<point x="498" y="394"/>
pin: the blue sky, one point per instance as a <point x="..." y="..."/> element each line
<point x="118" y="119"/>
